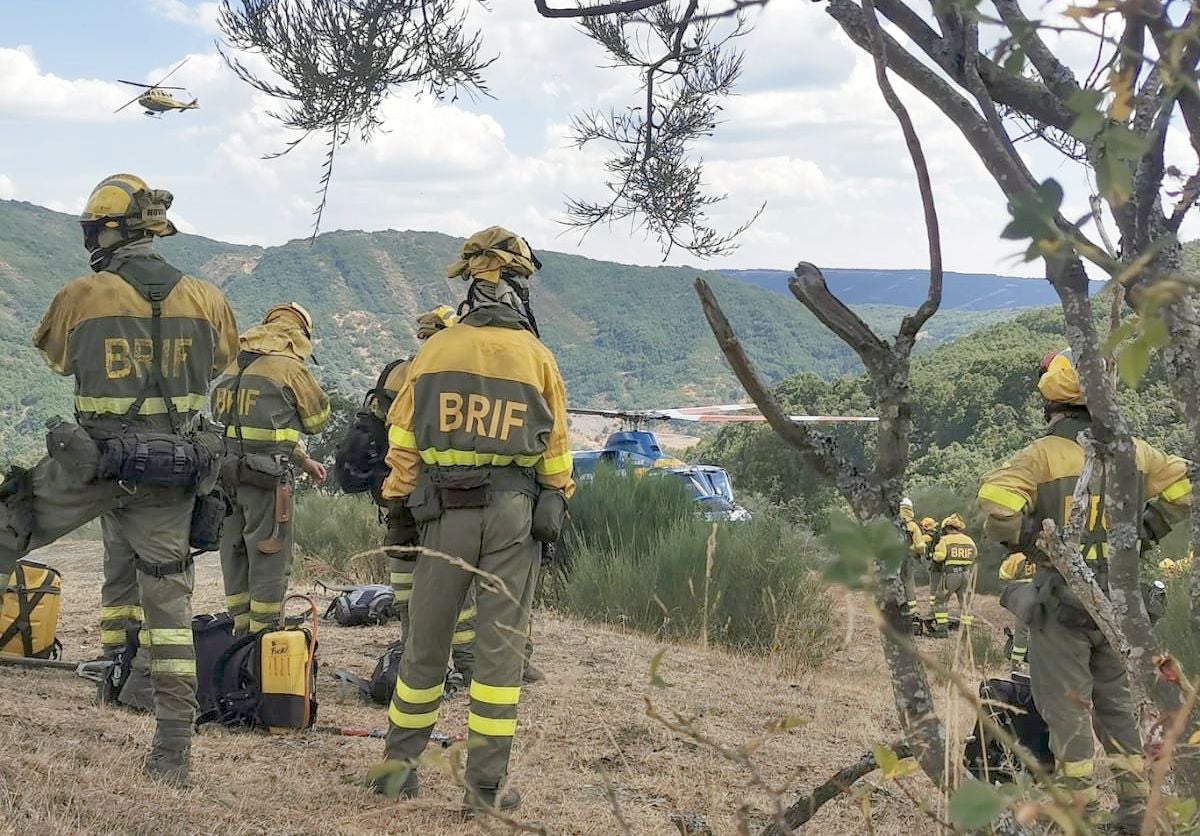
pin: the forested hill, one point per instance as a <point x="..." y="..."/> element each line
<point x="624" y="336"/>
<point x="975" y="402"/>
<point x="908" y="288"/>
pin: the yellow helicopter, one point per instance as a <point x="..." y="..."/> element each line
<point x="155" y="100"/>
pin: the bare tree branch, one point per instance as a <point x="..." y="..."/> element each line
<point x="622" y="7"/>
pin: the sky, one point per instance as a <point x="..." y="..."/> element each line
<point x="807" y="133"/>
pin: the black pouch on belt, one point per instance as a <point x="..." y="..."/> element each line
<point x="208" y="517"/>
<point x="260" y="471"/>
<point x="160" y="459"/>
<point x="469" y="489"/>
<point x="70" y="445"/>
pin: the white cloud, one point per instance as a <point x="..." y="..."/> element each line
<point x="7" y="189"/>
<point x="27" y="92"/>
<point x="202" y="16"/>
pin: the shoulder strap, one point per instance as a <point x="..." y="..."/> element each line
<point x="381" y="394"/>
<point x="235" y="410"/>
<point x="154" y="279"/>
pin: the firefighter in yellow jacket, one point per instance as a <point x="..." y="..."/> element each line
<point x="480" y="464"/>
<point x="267" y="399"/>
<point x="143" y="341"/>
<point x="954" y="555"/>
<point x="917" y="544"/>
<point x="402" y="563"/>
<point x="1078" y="679"/>
<point x="1018" y="597"/>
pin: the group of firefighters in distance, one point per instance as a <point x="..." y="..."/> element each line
<point x="478" y="469"/>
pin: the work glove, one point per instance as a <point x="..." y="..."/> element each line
<point x="549" y="514"/>
<point x="402" y="528"/>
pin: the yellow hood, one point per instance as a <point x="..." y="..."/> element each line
<point x="280" y="336"/>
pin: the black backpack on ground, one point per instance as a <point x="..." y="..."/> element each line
<point x="243" y="694"/>
<point x="363" y="606"/>
<point x="359" y="464"/>
<point x="1010" y="704"/>
<point x="128" y="681"/>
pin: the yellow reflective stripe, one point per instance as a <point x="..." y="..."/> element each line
<point x="967" y="620"/>
<point x="259" y="434"/>
<point x="463" y="637"/>
<point x="315" y="420"/>
<point x="554" y="464"/>
<point x="112" y="637"/>
<point x="1129" y="763"/>
<point x="417" y="696"/>
<point x="402" y="596"/>
<point x="1178" y="491"/>
<point x="495" y="694"/>
<point x="241" y="621"/>
<point x="126" y="611"/>
<point x="151" y="406"/>
<point x="468" y="613"/>
<point x="144" y="637"/>
<point x="241" y="599"/>
<point x="1078" y="769"/>
<point x="265" y="607"/>
<point x="1002" y="497"/>
<point x="167" y="636"/>
<point x="178" y="667"/>
<point x="402" y="578"/>
<point x="471" y="458"/>
<point x="491" y="726"/>
<point x="959" y="562"/>
<point x="402" y="438"/>
<point x="412" y="721"/>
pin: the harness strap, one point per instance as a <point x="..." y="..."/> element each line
<point x="26" y="604"/>
<point x="154" y="283"/>
<point x="162" y="570"/>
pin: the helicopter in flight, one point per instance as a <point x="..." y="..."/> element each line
<point x="636" y="449"/>
<point x="155" y="100"/>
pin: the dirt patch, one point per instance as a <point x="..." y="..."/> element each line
<point x="73" y="767"/>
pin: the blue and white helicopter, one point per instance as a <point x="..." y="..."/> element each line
<point x="635" y="449"/>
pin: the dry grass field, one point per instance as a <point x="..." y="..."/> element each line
<point x="586" y="749"/>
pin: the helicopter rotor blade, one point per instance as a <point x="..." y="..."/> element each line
<point x="134" y="83"/>
<point x="128" y="103"/>
<point x="168" y="75"/>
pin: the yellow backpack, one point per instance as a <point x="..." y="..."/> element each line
<point x="29" y="611"/>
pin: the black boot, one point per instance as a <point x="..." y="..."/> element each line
<point x="394" y="779"/>
<point x="170" y="752"/>
<point x="489" y="798"/>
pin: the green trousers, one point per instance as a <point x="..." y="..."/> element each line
<point x="255" y="583"/>
<point x="120" y="601"/>
<point x="1079" y="686"/>
<point x="496" y="540"/>
<point x="149" y="527"/>
<point x="462" y="645"/>
<point x="908" y="574"/>
<point x="956" y="584"/>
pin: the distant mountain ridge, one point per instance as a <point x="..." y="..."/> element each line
<point x="624" y="336"/>
<point x="908" y="288"/>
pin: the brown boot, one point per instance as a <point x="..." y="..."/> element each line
<point x="170" y="752"/>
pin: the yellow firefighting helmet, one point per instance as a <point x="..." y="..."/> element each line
<point x="125" y="203"/>
<point x="906" y="509"/>
<point x="436" y="320"/>
<point x="1059" y="382"/>
<point x="494" y="250"/>
<point x="954" y="521"/>
<point x="928" y="524"/>
<point x="296" y="312"/>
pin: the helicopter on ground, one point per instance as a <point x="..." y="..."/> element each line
<point x="636" y="449"/>
<point x="155" y="100"/>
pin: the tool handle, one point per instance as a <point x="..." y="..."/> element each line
<point x="312" y="608"/>
<point x="283" y="503"/>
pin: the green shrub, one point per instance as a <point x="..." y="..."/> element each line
<point x="332" y="529"/>
<point x="639" y="557"/>
<point x="1174" y="629"/>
